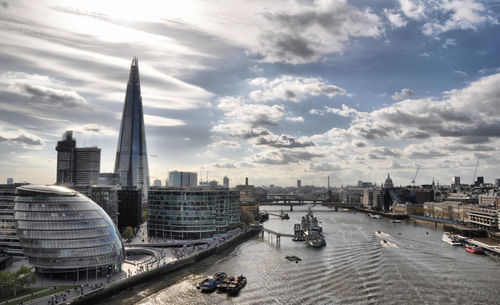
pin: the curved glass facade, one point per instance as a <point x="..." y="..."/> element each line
<point x="191" y="213"/>
<point x="60" y="229"/>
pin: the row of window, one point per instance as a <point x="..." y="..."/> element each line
<point x="53" y="207"/>
<point x="80" y="234"/>
<point x="80" y="262"/>
<point x="67" y="244"/>
<point x="62" y="253"/>
<point x="54" y="216"/>
<point x="61" y="225"/>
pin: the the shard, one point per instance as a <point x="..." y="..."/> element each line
<point x="131" y="164"/>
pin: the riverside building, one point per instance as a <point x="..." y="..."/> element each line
<point x="191" y="213"/>
<point x="9" y="242"/>
<point x="62" y="232"/>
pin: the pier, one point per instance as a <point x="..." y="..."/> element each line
<point x="491" y="251"/>
<point x="277" y="234"/>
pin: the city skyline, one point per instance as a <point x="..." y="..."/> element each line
<point x="273" y="92"/>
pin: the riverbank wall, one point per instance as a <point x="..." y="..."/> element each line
<point x="384" y="214"/>
<point x="125" y="284"/>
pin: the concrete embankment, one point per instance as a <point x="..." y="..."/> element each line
<point x="387" y="215"/>
<point x="153" y="274"/>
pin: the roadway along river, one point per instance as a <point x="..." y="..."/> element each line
<point x="355" y="267"/>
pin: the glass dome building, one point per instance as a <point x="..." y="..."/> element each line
<point x="62" y="231"/>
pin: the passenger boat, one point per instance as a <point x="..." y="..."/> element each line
<point x="210" y="284"/>
<point x="235" y="286"/>
<point x="474" y="249"/>
<point x="451" y="239"/>
<point x="223" y="285"/>
<point x="293" y="258"/>
<point x="376" y="216"/>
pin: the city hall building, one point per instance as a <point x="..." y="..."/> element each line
<point x="191" y="212"/>
<point x="63" y="232"/>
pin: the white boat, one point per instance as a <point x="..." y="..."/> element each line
<point x="451" y="239"/>
<point x="376" y="216"/>
<point x="396" y="221"/>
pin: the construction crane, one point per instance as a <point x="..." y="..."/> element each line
<point x="475" y="172"/>
<point x="415" y="177"/>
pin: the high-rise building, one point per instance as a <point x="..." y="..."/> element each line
<point x="9" y="242"/>
<point x="104" y="195"/>
<point x="108" y="179"/>
<point x="479" y="181"/>
<point x="87" y="165"/>
<point x="10" y="180"/>
<point x="225" y="181"/>
<point x="455" y="181"/>
<point x="157" y="183"/>
<point x="299" y="184"/>
<point x="497" y="182"/>
<point x="129" y="207"/>
<point x="65" y="159"/>
<point x="131" y="162"/>
<point x="77" y="166"/>
<point x="177" y="179"/>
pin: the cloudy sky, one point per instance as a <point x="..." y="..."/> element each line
<point x="273" y="90"/>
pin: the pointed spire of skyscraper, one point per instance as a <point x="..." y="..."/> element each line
<point x="131" y="162"/>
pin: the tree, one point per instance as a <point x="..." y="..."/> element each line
<point x="128" y="233"/>
<point x="144" y="216"/>
<point x="246" y="217"/>
<point x="21" y="277"/>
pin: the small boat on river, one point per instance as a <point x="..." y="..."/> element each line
<point x="293" y="258"/>
<point x="451" y="239"/>
<point x="210" y="283"/>
<point x="474" y="249"/>
<point x="222" y="286"/>
<point x="235" y="286"/>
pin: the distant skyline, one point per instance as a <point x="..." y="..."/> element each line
<point x="271" y="90"/>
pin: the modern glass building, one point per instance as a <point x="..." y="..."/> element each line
<point x="191" y="213"/>
<point x="62" y="231"/>
<point x="9" y="242"/>
<point x="131" y="163"/>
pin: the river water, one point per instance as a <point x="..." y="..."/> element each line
<point x="355" y="267"/>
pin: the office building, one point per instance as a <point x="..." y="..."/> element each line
<point x="108" y="179"/>
<point x="65" y="233"/>
<point x="479" y="181"/>
<point x="9" y="242"/>
<point x="10" y="180"/>
<point x="129" y="207"/>
<point x="191" y="213"/>
<point x="157" y="183"/>
<point x="77" y="166"/>
<point x="455" y="181"/>
<point x="180" y="179"/>
<point x="104" y="195"/>
<point x="65" y="159"/>
<point x="225" y="181"/>
<point x="131" y="162"/>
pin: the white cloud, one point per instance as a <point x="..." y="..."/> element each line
<point x="458" y="15"/>
<point x="345" y="111"/>
<point x="413" y="9"/>
<point x="295" y="119"/>
<point x="449" y="42"/>
<point x="292" y="88"/>
<point x="403" y="94"/>
<point x="396" y="19"/>
<point x="22" y="138"/>
<point x="461" y="73"/>
<point x="154" y="120"/>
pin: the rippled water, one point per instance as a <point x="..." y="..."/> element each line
<point x="355" y="267"/>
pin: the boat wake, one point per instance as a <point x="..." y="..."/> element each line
<point x="386" y="243"/>
<point x="382" y="235"/>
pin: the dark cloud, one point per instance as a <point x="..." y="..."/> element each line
<point x="225" y="165"/>
<point x="253" y="133"/>
<point x="22" y="139"/>
<point x="283" y="141"/>
<point x="50" y="96"/>
<point x="375" y="157"/>
<point x="429" y="154"/>
<point x="322" y="167"/>
<point x="384" y="151"/>
<point x="284" y="157"/>
<point x="4" y="4"/>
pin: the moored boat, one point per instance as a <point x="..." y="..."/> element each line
<point x="235" y="286"/>
<point x="210" y="284"/>
<point x="451" y="239"/>
<point x="474" y="249"/>
<point x="222" y="286"/>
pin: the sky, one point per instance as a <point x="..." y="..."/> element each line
<point x="271" y="90"/>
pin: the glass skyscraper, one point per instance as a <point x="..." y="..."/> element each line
<point x="131" y="164"/>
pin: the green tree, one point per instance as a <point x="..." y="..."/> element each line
<point x="128" y="233"/>
<point x="18" y="279"/>
<point x="144" y="216"/>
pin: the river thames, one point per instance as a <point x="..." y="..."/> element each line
<point x="355" y="267"/>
